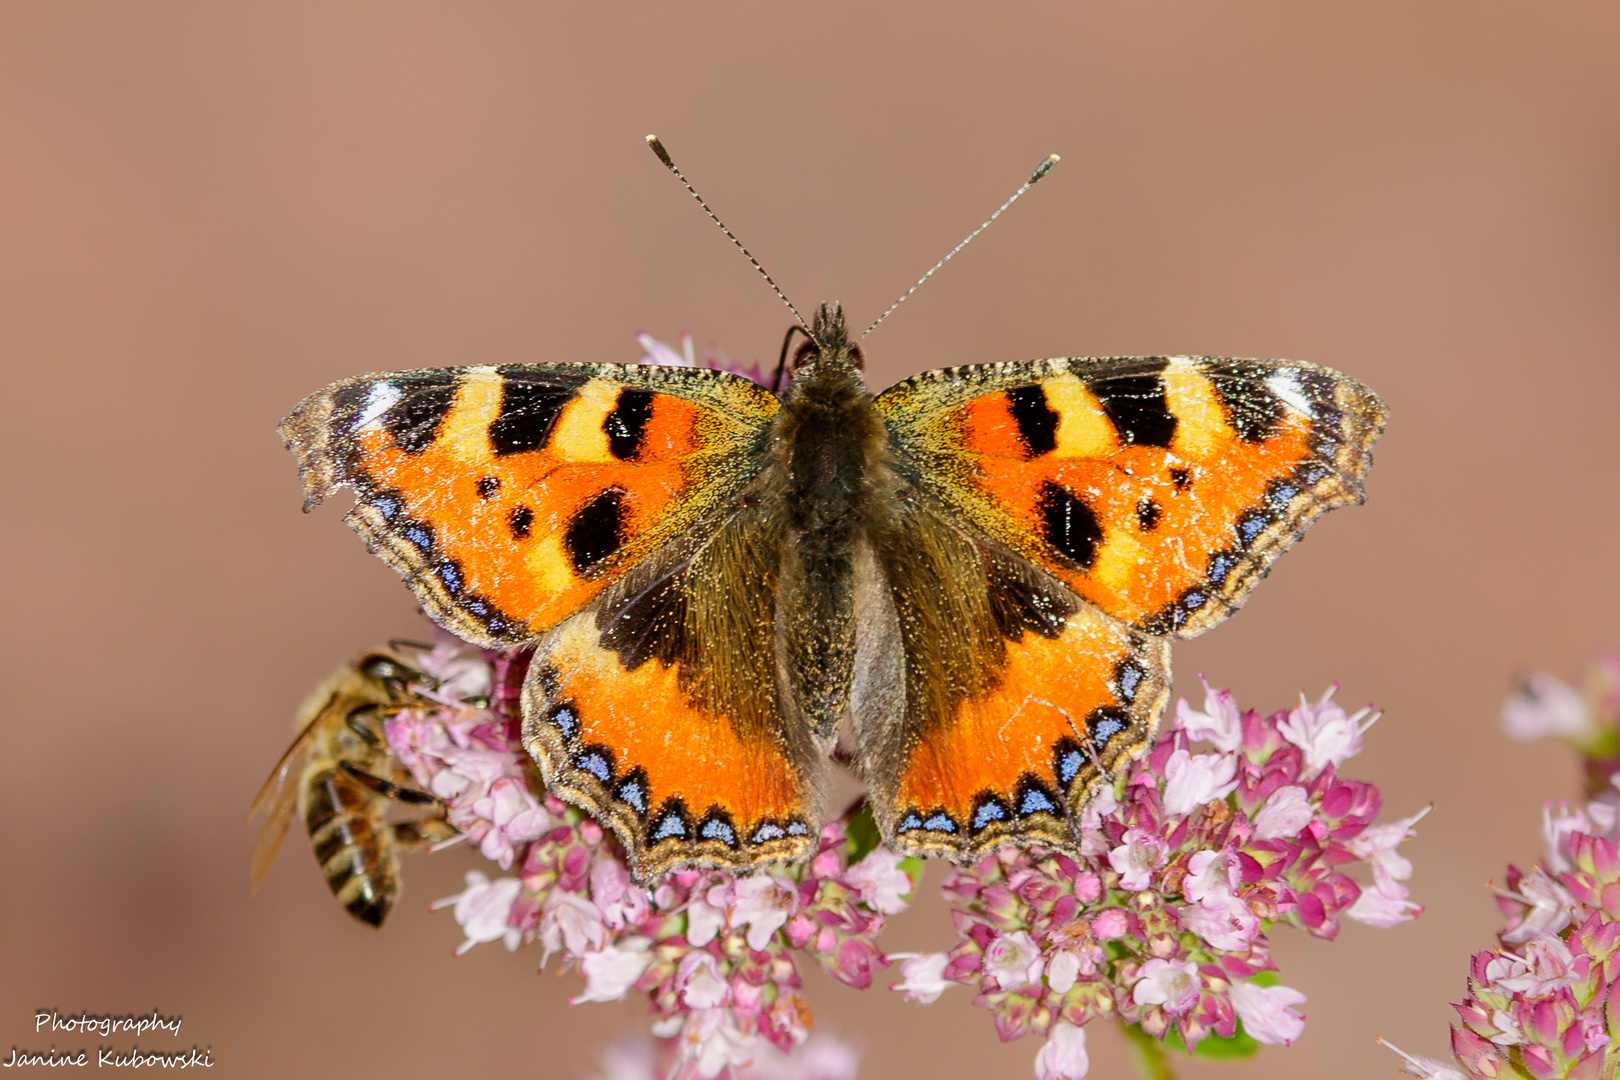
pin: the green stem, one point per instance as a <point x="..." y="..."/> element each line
<point x="1152" y="1063"/>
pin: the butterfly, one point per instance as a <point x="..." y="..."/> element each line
<point x="975" y="573"/>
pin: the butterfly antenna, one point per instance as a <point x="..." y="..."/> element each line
<point x="1034" y="178"/>
<point x="669" y="163"/>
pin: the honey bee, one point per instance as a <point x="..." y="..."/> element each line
<point x="342" y="778"/>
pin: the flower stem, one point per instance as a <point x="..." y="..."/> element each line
<point x="1152" y="1063"/>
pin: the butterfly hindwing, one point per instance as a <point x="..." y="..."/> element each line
<point x="658" y="709"/>
<point x="1008" y="699"/>
<point x="1158" y="488"/>
<point x="509" y="497"/>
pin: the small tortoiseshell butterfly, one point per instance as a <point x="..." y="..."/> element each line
<point x="979" y="569"/>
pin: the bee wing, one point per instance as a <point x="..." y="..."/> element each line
<point x="279" y="797"/>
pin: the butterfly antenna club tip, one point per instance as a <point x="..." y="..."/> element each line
<point x="657" y="147"/>
<point x="1034" y="178"/>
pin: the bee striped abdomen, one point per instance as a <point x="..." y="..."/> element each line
<point x="353" y="844"/>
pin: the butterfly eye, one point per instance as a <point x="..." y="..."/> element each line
<point x="857" y="358"/>
<point x="805" y="354"/>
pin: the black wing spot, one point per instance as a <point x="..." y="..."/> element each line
<point x="596" y="530"/>
<point x="1319" y="390"/>
<point x="1180" y="477"/>
<point x="1251" y="525"/>
<point x="549" y="679"/>
<point x="520" y="521"/>
<point x="488" y="486"/>
<point x="1136" y="404"/>
<point x="1280" y="495"/>
<point x="626" y="425"/>
<point x="598" y="761"/>
<point x="1148" y="514"/>
<point x="1020" y="601"/>
<point x="987" y="811"/>
<point x="1312" y="473"/>
<point x="716" y="825"/>
<point x="529" y="411"/>
<point x="1037" y="423"/>
<point x="1034" y="797"/>
<point x="415" y="419"/>
<point x="388" y="504"/>
<point x="1070" y="525"/>
<point x="632" y="790"/>
<point x="767" y="831"/>
<point x="650" y="623"/>
<point x="421" y="536"/>
<point x="1252" y="409"/>
<point x="1067" y="761"/>
<point x="672" y="822"/>
<point x="1128" y="676"/>
<point x="1105" y="723"/>
<point x="564" y="716"/>
<point x="1173" y="617"/>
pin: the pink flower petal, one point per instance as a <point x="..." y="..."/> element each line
<point x="1064" y="1056"/>
<point x="1265" y="1012"/>
<point x="612" y="970"/>
<point x="1219" y="724"/>
<point x="1192" y="780"/>
<point x="922" y="976"/>
<point x="1284" y="814"/>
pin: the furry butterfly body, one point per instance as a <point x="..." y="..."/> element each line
<point x="975" y="573"/>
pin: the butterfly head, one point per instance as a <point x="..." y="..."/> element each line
<point x="827" y="345"/>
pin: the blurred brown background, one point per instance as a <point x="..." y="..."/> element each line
<point x="209" y="210"/>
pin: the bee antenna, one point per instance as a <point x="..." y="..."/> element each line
<point x="669" y="163"/>
<point x="1034" y="178"/>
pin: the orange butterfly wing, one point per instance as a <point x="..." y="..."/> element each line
<point x="508" y="497"/>
<point x="658" y="708"/>
<point x="582" y="509"/>
<point x="1158" y="488"/>
<point x="1068" y="515"/>
<point x="995" y="700"/>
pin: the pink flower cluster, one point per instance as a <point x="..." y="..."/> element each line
<point x="1186" y="862"/>
<point x="822" y="1057"/>
<point x="1545" y="1002"/>
<point x="714" y="951"/>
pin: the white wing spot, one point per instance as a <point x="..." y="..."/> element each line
<point x="384" y="396"/>
<point x="1286" y="386"/>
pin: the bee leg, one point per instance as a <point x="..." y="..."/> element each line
<point x="362" y="721"/>
<point x="423" y="831"/>
<point x="397" y="676"/>
<point x="390" y="789"/>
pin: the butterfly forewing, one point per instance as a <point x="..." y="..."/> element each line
<point x="1158" y="488"/>
<point x="508" y="497"/>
